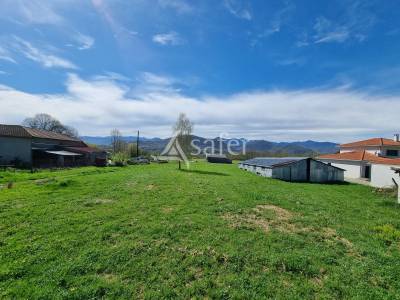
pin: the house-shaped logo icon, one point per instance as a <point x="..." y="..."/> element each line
<point x="174" y="151"/>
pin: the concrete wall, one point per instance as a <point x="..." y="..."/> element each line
<point x="262" y="171"/>
<point x="12" y="148"/>
<point x="352" y="169"/>
<point x="381" y="176"/>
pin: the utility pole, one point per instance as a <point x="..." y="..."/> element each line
<point x="137" y="144"/>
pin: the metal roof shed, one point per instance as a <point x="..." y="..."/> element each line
<point x="300" y="169"/>
<point x="218" y="159"/>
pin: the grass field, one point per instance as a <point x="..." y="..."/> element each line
<point x="213" y="231"/>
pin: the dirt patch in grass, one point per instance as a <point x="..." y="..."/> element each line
<point x="280" y="213"/>
<point x="150" y="187"/>
<point x="331" y="234"/>
<point x="109" y="278"/>
<point x="98" y="201"/>
<point x="131" y="183"/>
<point x="266" y="217"/>
<point x="272" y="217"/>
<point x="167" y="210"/>
<point x="45" y="181"/>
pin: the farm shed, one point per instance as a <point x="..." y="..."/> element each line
<point x="218" y="159"/>
<point x="300" y="169"/>
<point x="27" y="147"/>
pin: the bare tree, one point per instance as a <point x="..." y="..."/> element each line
<point x="49" y="123"/>
<point x="184" y="128"/>
<point x="117" y="143"/>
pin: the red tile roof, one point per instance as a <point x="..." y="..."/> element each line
<point x="372" y="142"/>
<point x="361" y="156"/>
<point x="25" y="132"/>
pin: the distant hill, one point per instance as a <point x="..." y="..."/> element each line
<point x="284" y="148"/>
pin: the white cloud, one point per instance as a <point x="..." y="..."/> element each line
<point x="40" y="56"/>
<point x="150" y="83"/>
<point x="353" y="25"/>
<point x="277" y="21"/>
<point x="327" y="32"/>
<point x="85" y="41"/>
<point x="180" y="6"/>
<point x="236" y="9"/>
<point x="96" y="106"/>
<point x="338" y="36"/>
<point x="171" y="38"/>
<point x="6" y="55"/>
<point x="32" y="11"/>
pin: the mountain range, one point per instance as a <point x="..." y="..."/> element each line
<point x="285" y="148"/>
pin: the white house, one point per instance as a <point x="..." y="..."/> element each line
<point x="370" y="160"/>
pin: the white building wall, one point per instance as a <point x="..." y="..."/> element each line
<point x="267" y="172"/>
<point x="381" y="175"/>
<point x="352" y="169"/>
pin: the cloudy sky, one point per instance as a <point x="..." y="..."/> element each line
<point x="278" y="70"/>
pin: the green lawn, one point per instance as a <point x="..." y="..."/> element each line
<point x="214" y="231"/>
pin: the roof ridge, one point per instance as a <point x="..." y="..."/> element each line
<point x="27" y="131"/>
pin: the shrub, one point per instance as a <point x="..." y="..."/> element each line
<point x="119" y="159"/>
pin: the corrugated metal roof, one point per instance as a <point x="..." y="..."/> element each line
<point x="49" y="135"/>
<point x="25" y="132"/>
<point x="13" y="131"/>
<point x="63" y="153"/>
<point x="270" y="162"/>
<point x="86" y="149"/>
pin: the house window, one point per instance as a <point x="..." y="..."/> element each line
<point x="392" y="152"/>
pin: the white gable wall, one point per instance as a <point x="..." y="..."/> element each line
<point x="381" y="175"/>
<point x="352" y="169"/>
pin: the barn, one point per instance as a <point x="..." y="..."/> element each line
<point x="218" y="159"/>
<point x="26" y="147"/>
<point x="298" y="169"/>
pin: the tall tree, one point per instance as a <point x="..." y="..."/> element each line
<point x="49" y="123"/>
<point x="183" y="128"/>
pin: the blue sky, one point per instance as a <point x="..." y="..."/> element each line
<point x="278" y="70"/>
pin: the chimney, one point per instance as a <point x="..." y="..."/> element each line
<point x="396" y="137"/>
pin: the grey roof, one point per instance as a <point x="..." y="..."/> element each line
<point x="270" y="162"/>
